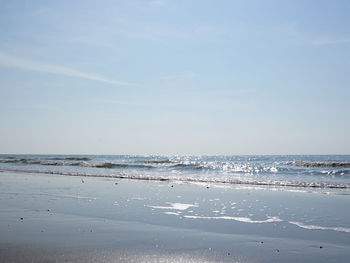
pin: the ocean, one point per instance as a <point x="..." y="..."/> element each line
<point x="331" y="172"/>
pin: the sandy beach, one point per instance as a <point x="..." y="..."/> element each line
<point x="52" y="218"/>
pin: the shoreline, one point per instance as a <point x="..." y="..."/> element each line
<point x="186" y="180"/>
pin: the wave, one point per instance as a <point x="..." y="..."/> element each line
<point x="121" y="165"/>
<point x="192" y="180"/>
<point x="157" y="161"/>
<point x="81" y="163"/>
<point x="338" y="173"/>
<point x="13" y="160"/>
<point x="188" y="165"/>
<point x="175" y="164"/>
<point x="24" y="161"/>
<point x="72" y="158"/>
<point x="322" y="164"/>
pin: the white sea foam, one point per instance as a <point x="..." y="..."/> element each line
<point x="240" y="219"/>
<point x="313" y="227"/>
<point x="173" y="206"/>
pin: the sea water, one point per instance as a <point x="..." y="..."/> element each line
<point x="330" y="172"/>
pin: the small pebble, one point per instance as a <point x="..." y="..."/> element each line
<point x="321" y="247"/>
<point x="261" y="242"/>
<point x="116" y="183"/>
<point x="277" y="250"/>
<point x="22" y="218"/>
<point x="172" y="186"/>
<point x="228" y="253"/>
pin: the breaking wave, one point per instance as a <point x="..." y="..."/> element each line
<point x="188" y="165"/>
<point x="157" y="161"/>
<point x="108" y="165"/>
<point x="73" y="159"/>
<point x="322" y="164"/>
<point x="121" y="165"/>
<point x="82" y="163"/>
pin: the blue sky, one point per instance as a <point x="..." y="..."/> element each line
<point x="175" y="77"/>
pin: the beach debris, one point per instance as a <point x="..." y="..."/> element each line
<point x="209" y="248"/>
<point x="82" y="180"/>
<point x="228" y="253"/>
<point x="172" y="186"/>
<point x="115" y="183"/>
<point x="261" y="242"/>
<point x="321" y="247"/>
<point x="22" y="218"/>
<point x="277" y="250"/>
<point x="207" y="187"/>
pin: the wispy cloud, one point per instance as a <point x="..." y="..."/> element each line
<point x="10" y="61"/>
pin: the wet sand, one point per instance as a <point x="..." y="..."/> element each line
<point x="51" y="218"/>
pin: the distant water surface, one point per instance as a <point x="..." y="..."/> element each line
<point x="314" y="171"/>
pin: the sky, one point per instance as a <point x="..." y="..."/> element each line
<point x="175" y="77"/>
